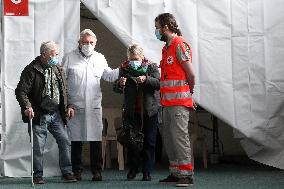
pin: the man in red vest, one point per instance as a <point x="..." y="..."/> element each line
<point x="176" y="88"/>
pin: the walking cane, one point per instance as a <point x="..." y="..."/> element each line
<point x="32" y="150"/>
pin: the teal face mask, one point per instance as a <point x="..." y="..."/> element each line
<point x="53" y="61"/>
<point x="135" y="64"/>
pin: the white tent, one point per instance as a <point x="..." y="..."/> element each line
<point x="237" y="55"/>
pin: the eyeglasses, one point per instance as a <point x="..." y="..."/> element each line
<point x="88" y="42"/>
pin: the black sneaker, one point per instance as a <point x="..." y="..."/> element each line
<point x="184" y="182"/>
<point x="170" y="179"/>
<point x="97" y="176"/>
<point x="131" y="174"/>
<point x="38" y="180"/>
<point x="146" y="177"/>
<point x="69" y="178"/>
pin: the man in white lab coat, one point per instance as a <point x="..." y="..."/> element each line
<point x="84" y="68"/>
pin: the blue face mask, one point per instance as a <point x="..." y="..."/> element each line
<point x="53" y="60"/>
<point x="158" y="35"/>
<point x="135" y="64"/>
<point x="162" y="37"/>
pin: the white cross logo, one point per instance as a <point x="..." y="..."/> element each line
<point x="16" y="1"/>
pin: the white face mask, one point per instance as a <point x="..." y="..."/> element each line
<point x="87" y="50"/>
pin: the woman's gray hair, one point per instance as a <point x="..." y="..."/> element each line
<point x="87" y="32"/>
<point x="48" y="46"/>
<point x="135" y="49"/>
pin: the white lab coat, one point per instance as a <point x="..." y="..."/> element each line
<point x="84" y="93"/>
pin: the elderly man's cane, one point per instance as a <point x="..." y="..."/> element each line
<point x="32" y="150"/>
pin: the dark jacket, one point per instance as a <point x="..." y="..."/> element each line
<point x="30" y="88"/>
<point x="149" y="90"/>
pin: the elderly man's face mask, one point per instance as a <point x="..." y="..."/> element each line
<point x="53" y="60"/>
<point x="87" y="50"/>
<point x="87" y="45"/>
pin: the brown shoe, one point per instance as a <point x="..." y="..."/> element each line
<point x="170" y="179"/>
<point x="38" y="180"/>
<point x="184" y="182"/>
<point x="69" y="178"/>
<point x="78" y="174"/>
<point x="97" y="176"/>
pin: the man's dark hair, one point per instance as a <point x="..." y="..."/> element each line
<point x="169" y="20"/>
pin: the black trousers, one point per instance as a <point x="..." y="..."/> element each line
<point x="145" y="159"/>
<point x="96" y="159"/>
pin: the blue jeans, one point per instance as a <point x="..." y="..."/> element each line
<point x="54" y="124"/>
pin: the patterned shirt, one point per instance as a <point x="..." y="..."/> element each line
<point x="51" y="85"/>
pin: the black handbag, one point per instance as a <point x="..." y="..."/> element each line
<point x="130" y="137"/>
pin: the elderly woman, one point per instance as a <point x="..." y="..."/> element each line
<point x="139" y="82"/>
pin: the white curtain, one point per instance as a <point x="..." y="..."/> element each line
<point x="238" y="53"/>
<point x="22" y="35"/>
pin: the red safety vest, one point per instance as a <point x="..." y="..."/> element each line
<point x="174" y="88"/>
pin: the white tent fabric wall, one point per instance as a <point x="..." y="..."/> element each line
<point x="1" y="56"/>
<point x="48" y="20"/>
<point x="237" y="55"/>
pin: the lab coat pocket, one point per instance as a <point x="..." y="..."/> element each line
<point x="75" y="82"/>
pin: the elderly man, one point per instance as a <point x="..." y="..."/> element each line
<point x="41" y="93"/>
<point x="84" y="67"/>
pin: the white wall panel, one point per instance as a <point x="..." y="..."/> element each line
<point x="22" y="37"/>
